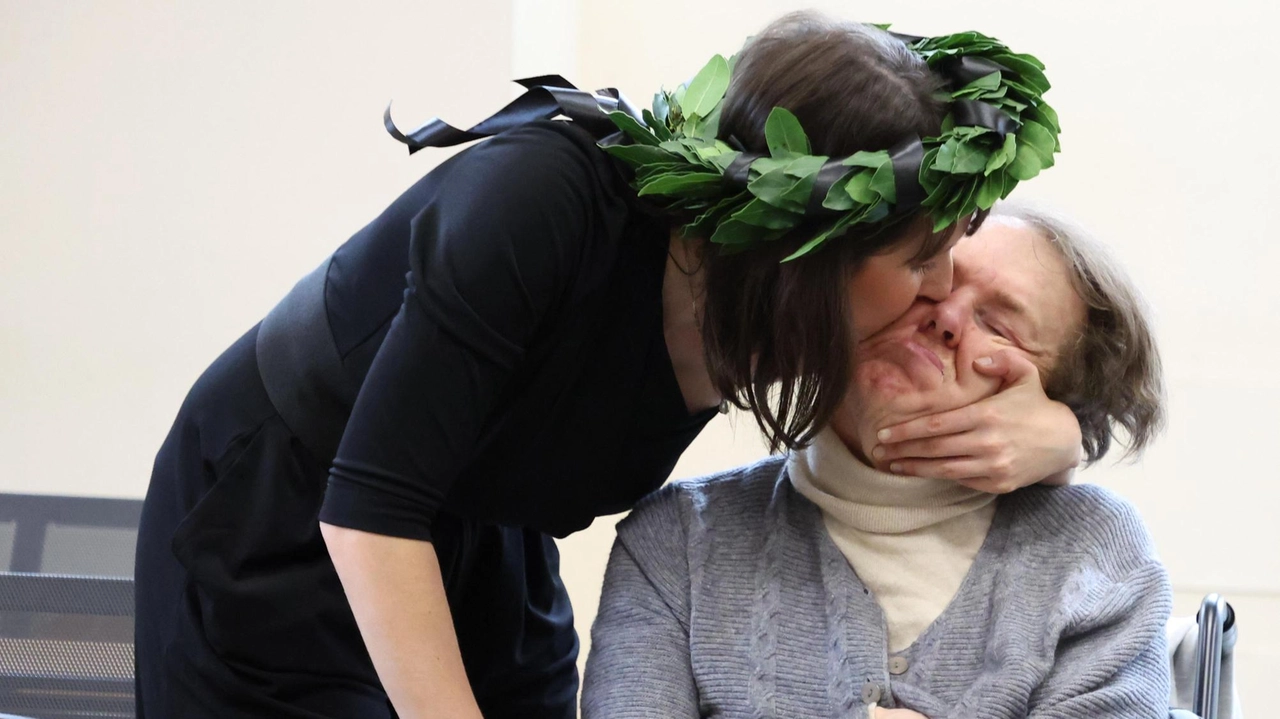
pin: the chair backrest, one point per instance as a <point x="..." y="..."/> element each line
<point x="90" y="536"/>
<point x="66" y="606"/>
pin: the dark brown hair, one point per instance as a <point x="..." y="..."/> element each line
<point x="779" y="336"/>
<point x="1109" y="372"/>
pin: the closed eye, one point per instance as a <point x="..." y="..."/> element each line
<point x="995" y="328"/>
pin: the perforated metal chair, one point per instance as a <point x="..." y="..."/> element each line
<point x="66" y="606"/>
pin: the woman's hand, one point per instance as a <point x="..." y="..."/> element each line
<point x="882" y="713"/>
<point x="1007" y="441"/>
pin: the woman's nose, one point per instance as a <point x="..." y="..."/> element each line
<point x="944" y="323"/>
<point x="936" y="284"/>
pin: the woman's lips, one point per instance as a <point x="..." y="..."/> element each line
<point x="926" y="354"/>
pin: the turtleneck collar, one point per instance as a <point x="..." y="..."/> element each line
<point x="850" y="492"/>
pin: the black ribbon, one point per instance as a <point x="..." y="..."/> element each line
<point x="981" y="114"/>
<point x="964" y="69"/>
<point x="960" y="70"/>
<point x="831" y="173"/>
<point x="546" y="96"/>
<point x="907" y="156"/>
<point x="738" y="173"/>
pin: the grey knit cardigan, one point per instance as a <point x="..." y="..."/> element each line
<point x="725" y="597"/>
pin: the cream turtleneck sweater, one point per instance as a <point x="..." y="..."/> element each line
<point x="910" y="540"/>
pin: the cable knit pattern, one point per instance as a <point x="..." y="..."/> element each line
<point x="725" y="598"/>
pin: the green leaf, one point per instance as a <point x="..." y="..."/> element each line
<point x="941" y="190"/>
<point x="723" y="160"/>
<point x="709" y="127"/>
<point x="766" y="165"/>
<point x="661" y="108"/>
<point x="775" y="188"/>
<point x="991" y="190"/>
<point x="805" y="165"/>
<point x="882" y="183"/>
<point x="946" y="157"/>
<point x="691" y="128"/>
<point x="969" y="159"/>
<point x="707" y="88"/>
<point x="986" y="82"/>
<point x="788" y="187"/>
<point x="648" y="173"/>
<point x="696" y="184"/>
<point x="658" y="127"/>
<point x="732" y="232"/>
<point x="838" y="197"/>
<point x="1002" y="156"/>
<point x="1026" y="163"/>
<point x="1028" y="69"/>
<point x="868" y="159"/>
<point x="1046" y="116"/>
<point x="1035" y="135"/>
<point x="959" y="205"/>
<point x="705" y="223"/>
<point x="1013" y="107"/>
<point x="759" y="212"/>
<point x="633" y="128"/>
<point x="709" y="153"/>
<point x="837" y="228"/>
<point x="676" y="99"/>
<point x="680" y="147"/>
<point x="858" y="187"/>
<point x="783" y="134"/>
<point x="640" y="154"/>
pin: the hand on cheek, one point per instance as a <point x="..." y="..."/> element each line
<point x="1007" y="441"/>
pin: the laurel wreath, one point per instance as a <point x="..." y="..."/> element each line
<point x="682" y="165"/>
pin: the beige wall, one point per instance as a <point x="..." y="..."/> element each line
<point x="169" y="169"/>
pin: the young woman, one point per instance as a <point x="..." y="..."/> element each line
<point x="355" y="506"/>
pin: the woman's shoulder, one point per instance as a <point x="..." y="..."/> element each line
<point x="1083" y="520"/>
<point x="741" y="495"/>
<point x="546" y="154"/>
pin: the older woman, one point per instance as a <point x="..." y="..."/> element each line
<point x="820" y="584"/>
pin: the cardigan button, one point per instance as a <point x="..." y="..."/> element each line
<point x="870" y="693"/>
<point x="898" y="666"/>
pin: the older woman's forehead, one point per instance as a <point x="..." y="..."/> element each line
<point x="1019" y="270"/>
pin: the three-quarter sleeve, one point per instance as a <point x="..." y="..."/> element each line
<point x="493" y="258"/>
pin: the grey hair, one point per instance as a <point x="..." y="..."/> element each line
<point x="1109" y="373"/>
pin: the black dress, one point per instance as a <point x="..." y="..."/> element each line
<point x="517" y="388"/>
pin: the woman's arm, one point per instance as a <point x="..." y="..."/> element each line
<point x="395" y="589"/>
<point x="1111" y="662"/>
<point x="1012" y="439"/>
<point x="640" y="666"/>
<point x="495" y="254"/>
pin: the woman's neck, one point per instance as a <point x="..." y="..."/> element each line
<point x="852" y="493"/>
<point x="682" y="313"/>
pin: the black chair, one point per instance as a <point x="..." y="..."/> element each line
<point x="66" y="606"/>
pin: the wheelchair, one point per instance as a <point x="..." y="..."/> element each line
<point x="1199" y="652"/>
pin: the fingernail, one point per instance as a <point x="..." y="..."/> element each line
<point x="986" y="361"/>
<point x="883" y="435"/>
<point x="878" y="452"/>
<point x="895" y="468"/>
